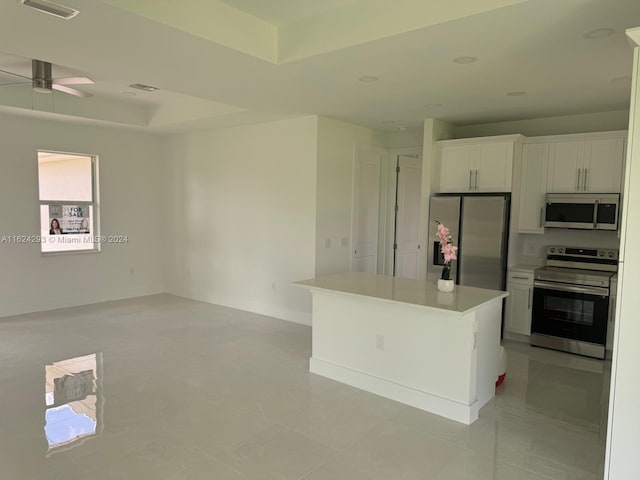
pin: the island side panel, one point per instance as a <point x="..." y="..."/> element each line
<point x="427" y="350"/>
<point x="488" y="320"/>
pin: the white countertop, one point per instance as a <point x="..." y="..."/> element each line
<point x="414" y="292"/>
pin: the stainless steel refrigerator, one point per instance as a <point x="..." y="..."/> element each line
<point x="479" y="225"/>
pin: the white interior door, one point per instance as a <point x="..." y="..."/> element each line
<point x="408" y="217"/>
<point x="366" y="205"/>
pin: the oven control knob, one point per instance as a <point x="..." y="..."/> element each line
<point x="552" y="250"/>
<point x="561" y="250"/>
<point x="600" y="253"/>
<point x="610" y="255"/>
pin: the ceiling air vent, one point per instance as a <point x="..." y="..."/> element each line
<point x="51" y="8"/>
<point x="146" y="88"/>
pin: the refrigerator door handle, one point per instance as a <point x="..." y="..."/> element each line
<point x="470" y="174"/>
<point x="475" y="183"/>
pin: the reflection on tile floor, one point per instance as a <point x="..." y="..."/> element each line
<point x="196" y="391"/>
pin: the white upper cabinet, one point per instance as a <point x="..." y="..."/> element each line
<point x="603" y="165"/>
<point x="477" y="166"/>
<point x="593" y="165"/>
<point x="457" y="168"/>
<point x="494" y="163"/>
<point x="565" y="166"/>
<point x="533" y="187"/>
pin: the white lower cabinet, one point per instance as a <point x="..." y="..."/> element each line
<point x="519" y="302"/>
<point x="611" y="326"/>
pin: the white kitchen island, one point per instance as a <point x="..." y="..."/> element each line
<point x="404" y="340"/>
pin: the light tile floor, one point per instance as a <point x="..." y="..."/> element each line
<point x="187" y="390"/>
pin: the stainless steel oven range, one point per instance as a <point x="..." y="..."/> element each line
<point x="571" y="298"/>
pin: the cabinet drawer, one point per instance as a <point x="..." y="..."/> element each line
<point x="520" y="277"/>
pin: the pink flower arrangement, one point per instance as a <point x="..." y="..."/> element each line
<point x="447" y="248"/>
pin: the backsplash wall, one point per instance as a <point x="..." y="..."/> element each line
<point x="531" y="249"/>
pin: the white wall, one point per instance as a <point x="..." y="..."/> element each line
<point x="405" y="139"/>
<point x="240" y="215"/>
<point x="336" y="145"/>
<point x="561" y="125"/>
<point x="130" y="195"/>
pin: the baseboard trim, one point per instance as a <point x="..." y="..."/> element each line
<point x="450" y="409"/>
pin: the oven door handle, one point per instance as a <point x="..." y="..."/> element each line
<point x="573" y="289"/>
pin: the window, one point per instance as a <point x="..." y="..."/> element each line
<point x="68" y="202"/>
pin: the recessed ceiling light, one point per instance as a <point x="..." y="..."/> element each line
<point x="368" y="79"/>
<point x="129" y="94"/>
<point x="465" y="60"/>
<point x="621" y="80"/>
<point x="516" y="94"/>
<point x="403" y="128"/>
<point x="52" y="8"/>
<point x="388" y="122"/>
<point x="599" y="33"/>
<point x="433" y="105"/>
<point x="146" y="88"/>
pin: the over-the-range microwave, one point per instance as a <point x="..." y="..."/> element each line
<point x="587" y="211"/>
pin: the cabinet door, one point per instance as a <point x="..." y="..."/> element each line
<point x="456" y="168"/>
<point x="565" y="167"/>
<point x="518" y="309"/>
<point x="603" y="165"/>
<point x="493" y="167"/>
<point x="533" y="186"/>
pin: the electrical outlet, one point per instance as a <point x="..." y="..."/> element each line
<point x="274" y="286"/>
<point x="327" y="243"/>
<point x="529" y="249"/>
<point x="344" y="242"/>
<point x="380" y="342"/>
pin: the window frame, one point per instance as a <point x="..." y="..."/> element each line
<point x="95" y="231"/>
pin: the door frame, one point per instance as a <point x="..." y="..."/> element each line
<point x="389" y="206"/>
<point x="382" y="202"/>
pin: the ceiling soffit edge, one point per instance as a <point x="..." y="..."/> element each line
<point x="634" y="35"/>
<point x="353" y="24"/>
<point x="212" y="20"/>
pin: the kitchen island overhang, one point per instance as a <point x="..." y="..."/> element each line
<point x="404" y="340"/>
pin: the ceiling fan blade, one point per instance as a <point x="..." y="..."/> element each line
<point x="70" y="91"/>
<point x="15" y="75"/>
<point x="73" y="81"/>
<point x="2" y="84"/>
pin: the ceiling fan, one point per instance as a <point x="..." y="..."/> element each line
<point x="43" y="81"/>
